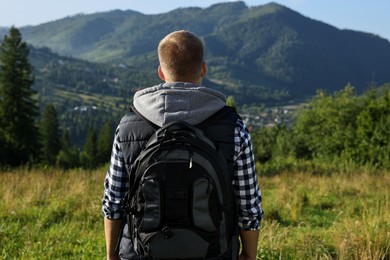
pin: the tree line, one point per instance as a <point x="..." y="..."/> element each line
<point x="342" y="131"/>
<point x="26" y="135"/>
<point x="337" y="131"/>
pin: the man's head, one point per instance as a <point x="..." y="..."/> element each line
<point x="181" y="58"/>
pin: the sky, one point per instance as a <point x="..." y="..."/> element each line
<point x="370" y="16"/>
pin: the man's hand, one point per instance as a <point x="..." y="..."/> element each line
<point x="249" y="241"/>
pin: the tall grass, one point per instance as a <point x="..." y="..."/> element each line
<point x="54" y="214"/>
<point x="51" y="214"/>
<point x="340" y="216"/>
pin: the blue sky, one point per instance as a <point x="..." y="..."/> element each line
<point x="362" y="15"/>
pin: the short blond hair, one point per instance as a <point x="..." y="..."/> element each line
<point x="181" y="54"/>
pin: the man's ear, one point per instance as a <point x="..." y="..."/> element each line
<point x="161" y="73"/>
<point x="204" y="70"/>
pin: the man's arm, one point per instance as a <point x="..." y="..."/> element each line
<point x="112" y="230"/>
<point x="115" y="187"/>
<point x="249" y="241"/>
<point x="247" y="192"/>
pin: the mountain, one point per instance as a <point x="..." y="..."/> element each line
<point x="3" y="31"/>
<point x="266" y="53"/>
<point x="69" y="82"/>
<point x="85" y="94"/>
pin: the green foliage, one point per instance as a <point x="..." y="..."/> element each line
<point x="373" y="131"/>
<point x="90" y="143"/>
<point x="104" y="142"/>
<point x="89" y="155"/>
<point x="338" y="132"/>
<point x="50" y="132"/>
<point x="263" y="142"/>
<point x="346" y="128"/>
<point x="69" y="155"/>
<point x="96" y="151"/>
<point x="68" y="158"/>
<point x="327" y="129"/>
<point x="231" y="102"/>
<point x="19" y="135"/>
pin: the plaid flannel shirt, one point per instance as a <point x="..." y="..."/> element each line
<point x="245" y="184"/>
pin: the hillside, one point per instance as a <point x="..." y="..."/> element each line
<point x="268" y="53"/>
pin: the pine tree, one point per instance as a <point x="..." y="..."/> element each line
<point x="90" y="144"/>
<point x="104" y="142"/>
<point x="69" y="155"/>
<point x="89" y="154"/>
<point x="50" y="132"/>
<point x="18" y="133"/>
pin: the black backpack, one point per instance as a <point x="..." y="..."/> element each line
<point x="181" y="203"/>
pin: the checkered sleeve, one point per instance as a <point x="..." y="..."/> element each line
<point x="115" y="184"/>
<point x="245" y="184"/>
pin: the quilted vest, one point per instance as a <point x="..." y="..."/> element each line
<point x="135" y="131"/>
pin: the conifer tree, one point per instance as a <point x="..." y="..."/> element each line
<point x="69" y="155"/>
<point x="88" y="156"/>
<point x="51" y="143"/>
<point x="104" y="142"/>
<point x="90" y="143"/>
<point x="18" y="133"/>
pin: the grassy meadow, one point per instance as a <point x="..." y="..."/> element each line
<point x="55" y="214"/>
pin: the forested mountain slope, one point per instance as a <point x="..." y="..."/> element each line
<point x="266" y="53"/>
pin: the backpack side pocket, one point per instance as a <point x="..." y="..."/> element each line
<point x="201" y="216"/>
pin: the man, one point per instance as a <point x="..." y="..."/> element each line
<point x="181" y="97"/>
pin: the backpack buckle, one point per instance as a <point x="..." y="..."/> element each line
<point x="126" y="207"/>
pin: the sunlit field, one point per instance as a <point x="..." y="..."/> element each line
<point x="55" y="214"/>
<point x="326" y="217"/>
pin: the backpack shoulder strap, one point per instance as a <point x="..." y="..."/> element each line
<point x="216" y="116"/>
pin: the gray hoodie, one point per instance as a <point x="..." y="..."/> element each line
<point x="184" y="101"/>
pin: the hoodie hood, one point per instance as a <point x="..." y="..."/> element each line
<point x="177" y="101"/>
